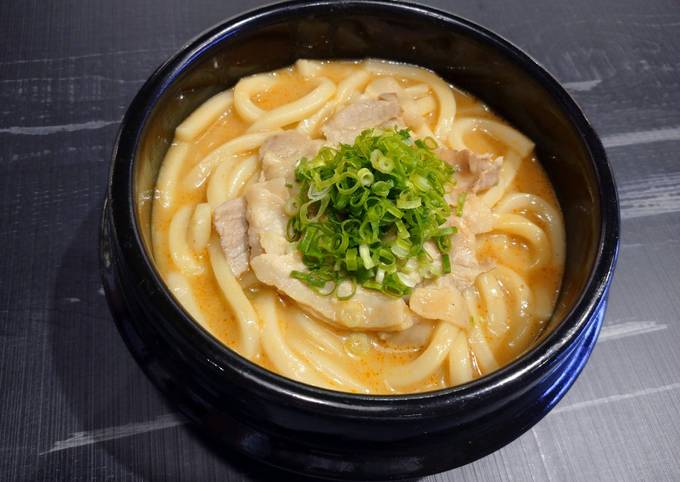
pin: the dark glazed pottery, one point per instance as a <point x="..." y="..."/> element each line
<point x="331" y="434"/>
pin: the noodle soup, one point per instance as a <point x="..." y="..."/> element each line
<point x="359" y="226"/>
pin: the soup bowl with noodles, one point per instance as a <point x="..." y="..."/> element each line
<point x="358" y="239"/>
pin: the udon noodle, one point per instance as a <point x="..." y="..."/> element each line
<point x="507" y="251"/>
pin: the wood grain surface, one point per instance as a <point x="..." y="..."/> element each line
<point x="73" y="404"/>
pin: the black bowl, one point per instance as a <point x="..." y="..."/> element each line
<point x="332" y="434"/>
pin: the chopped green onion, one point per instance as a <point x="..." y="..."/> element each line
<point x="366" y="256"/>
<point x="421" y="182"/>
<point x="382" y="188"/>
<point x="346" y="289"/>
<point x="380" y="275"/>
<point x="291" y="207"/>
<point x="351" y="259"/>
<point x="404" y="202"/>
<point x="401" y="248"/>
<point x="381" y="162"/>
<point x="373" y="285"/>
<point x="406" y="280"/>
<point x="446" y="263"/>
<point x="365" y="176"/>
<point x="362" y="215"/>
<point x="461" y="203"/>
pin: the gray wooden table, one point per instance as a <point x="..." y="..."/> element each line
<point x="73" y="404"/>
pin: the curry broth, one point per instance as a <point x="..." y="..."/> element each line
<point x="218" y="319"/>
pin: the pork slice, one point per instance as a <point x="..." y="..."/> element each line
<point x="440" y="300"/>
<point x="363" y="114"/>
<point x="267" y="220"/>
<point x="474" y="172"/>
<point x="230" y="223"/>
<point x="463" y="277"/>
<point x="486" y="169"/>
<point x="366" y="310"/>
<point x="281" y="152"/>
<point x="463" y="246"/>
<point x="464" y="270"/>
<point x="476" y="218"/>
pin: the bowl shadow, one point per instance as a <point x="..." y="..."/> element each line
<point x="113" y="410"/>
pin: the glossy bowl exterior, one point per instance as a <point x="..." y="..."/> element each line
<point x="331" y="434"/>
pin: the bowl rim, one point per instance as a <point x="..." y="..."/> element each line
<point x="126" y="223"/>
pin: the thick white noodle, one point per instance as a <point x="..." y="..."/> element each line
<point x="460" y="365"/>
<point x="276" y="348"/>
<point x="199" y="227"/>
<point x="486" y="361"/>
<point x="519" y="291"/>
<point x="493" y="297"/>
<point x="233" y="294"/>
<point x="520" y="226"/>
<point x="347" y="86"/>
<point x="297" y="110"/>
<point x="168" y="175"/>
<point x="383" y="85"/>
<point x="544" y="300"/>
<point x="308" y="68"/>
<point x="317" y="334"/>
<point x="245" y="89"/>
<point x="328" y="367"/>
<point x="522" y="297"/>
<point x="180" y="288"/>
<point x="550" y="217"/>
<point x="471" y="296"/>
<point x="182" y="255"/>
<point x="203" y="117"/>
<point x="417" y="91"/>
<point x="504" y="247"/>
<point x="201" y="171"/>
<point x="443" y="92"/>
<point x="425" y="105"/>
<point x="229" y="178"/>
<point x="428" y="361"/>
<point x="512" y="138"/>
<point x="164" y="195"/>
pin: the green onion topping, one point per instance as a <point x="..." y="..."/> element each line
<point x="361" y="215"/>
<point x="460" y="203"/>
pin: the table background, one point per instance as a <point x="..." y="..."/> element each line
<point x="73" y="404"/>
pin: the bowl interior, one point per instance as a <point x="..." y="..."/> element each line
<point x="466" y="56"/>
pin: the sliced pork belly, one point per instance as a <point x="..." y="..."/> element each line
<point x="486" y="169"/>
<point x="476" y="218"/>
<point x="363" y="114"/>
<point x="474" y="172"/>
<point x="230" y="223"/>
<point x="257" y="221"/>
<point x="266" y="217"/>
<point x="281" y="152"/>
<point x="366" y="310"/>
<point x="440" y="300"/>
